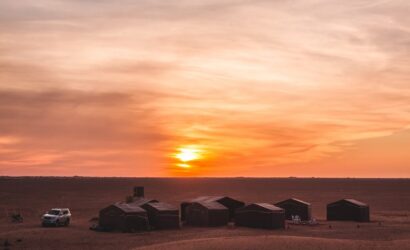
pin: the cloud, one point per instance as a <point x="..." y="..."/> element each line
<point x="68" y="128"/>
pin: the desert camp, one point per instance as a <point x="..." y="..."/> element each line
<point x="230" y="203"/>
<point x="162" y="215"/>
<point x="125" y="217"/>
<point x="260" y="215"/>
<point x="206" y="214"/>
<point x="348" y="210"/>
<point x="296" y="207"/>
<point x="137" y="214"/>
<point x="140" y="213"/>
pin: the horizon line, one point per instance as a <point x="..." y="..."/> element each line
<point x="195" y="177"/>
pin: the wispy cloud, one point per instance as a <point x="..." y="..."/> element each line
<point x="72" y="129"/>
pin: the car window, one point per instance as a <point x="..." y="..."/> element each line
<point x="54" y="212"/>
<point x="66" y="212"/>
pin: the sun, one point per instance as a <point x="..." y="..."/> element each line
<point x="188" y="154"/>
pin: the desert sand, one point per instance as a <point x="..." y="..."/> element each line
<point x="389" y="201"/>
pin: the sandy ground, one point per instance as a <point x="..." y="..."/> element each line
<point x="389" y="201"/>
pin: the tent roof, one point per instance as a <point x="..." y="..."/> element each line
<point x="205" y="198"/>
<point x="129" y="207"/>
<point x="261" y="207"/>
<point x="142" y="201"/>
<point x="162" y="206"/>
<point x="351" y="201"/>
<point x="296" y="200"/>
<point x="356" y="202"/>
<point x="209" y="199"/>
<point x="268" y="206"/>
<point x="211" y="205"/>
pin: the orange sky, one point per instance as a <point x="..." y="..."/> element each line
<point x="247" y="88"/>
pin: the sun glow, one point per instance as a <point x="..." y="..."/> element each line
<point x="183" y="165"/>
<point x="188" y="154"/>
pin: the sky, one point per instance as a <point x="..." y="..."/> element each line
<point x="205" y="88"/>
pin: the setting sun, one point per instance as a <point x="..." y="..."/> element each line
<point x="188" y="154"/>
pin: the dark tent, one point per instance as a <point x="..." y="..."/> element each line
<point x="162" y="215"/>
<point x="260" y="215"/>
<point x="294" y="207"/>
<point x="348" y="210"/>
<point x="207" y="214"/>
<point x="125" y="217"/>
<point x="226" y="201"/>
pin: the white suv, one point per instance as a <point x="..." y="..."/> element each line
<point x="56" y="217"/>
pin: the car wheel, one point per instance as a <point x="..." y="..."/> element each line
<point x="57" y="223"/>
<point x="67" y="222"/>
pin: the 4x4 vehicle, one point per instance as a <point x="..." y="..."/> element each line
<point x="56" y="217"/>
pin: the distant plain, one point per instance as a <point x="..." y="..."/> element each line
<point x="389" y="201"/>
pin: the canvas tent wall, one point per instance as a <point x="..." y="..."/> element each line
<point x="228" y="202"/>
<point x="348" y="210"/>
<point x="294" y="207"/>
<point x="162" y="215"/>
<point x="207" y="214"/>
<point x="125" y="217"/>
<point x="260" y="215"/>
